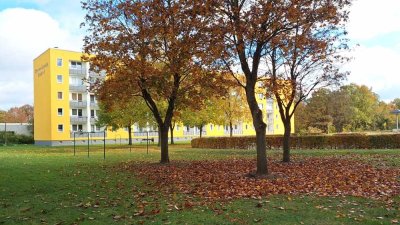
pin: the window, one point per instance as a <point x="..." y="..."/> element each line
<point x="246" y="126"/>
<point x="76" y="127"/>
<point x="260" y="105"/>
<point x="59" y="61"/>
<point x="60" y="128"/>
<point x="260" y="95"/>
<point x="76" y="112"/>
<point x="59" y="79"/>
<point x="211" y="126"/>
<point x="75" y="65"/>
<point x="277" y="126"/>
<point x="187" y="128"/>
<point x="59" y="95"/>
<point x="177" y="127"/>
<point x="60" y="111"/>
<point x="92" y="113"/>
<point x="235" y="127"/>
<point x="76" y="97"/>
<point x="226" y="127"/>
<point x="92" y="98"/>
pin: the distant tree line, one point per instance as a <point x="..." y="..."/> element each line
<point x="351" y="108"/>
<point x="22" y="114"/>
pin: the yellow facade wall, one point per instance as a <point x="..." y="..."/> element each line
<point x="42" y="102"/>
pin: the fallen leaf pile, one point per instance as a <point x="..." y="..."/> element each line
<point x="225" y="180"/>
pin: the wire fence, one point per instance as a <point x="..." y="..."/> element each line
<point x="94" y="141"/>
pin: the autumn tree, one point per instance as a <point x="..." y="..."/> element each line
<point x="305" y="59"/>
<point x="251" y="29"/>
<point x="318" y="111"/>
<point x="119" y="115"/>
<point x="175" y="120"/>
<point x="156" y="49"/>
<point x="363" y="104"/>
<point x="199" y="117"/>
<point x="22" y="114"/>
<point x="301" y="118"/>
<point x="396" y="103"/>
<point x="352" y="107"/>
<point x="3" y="115"/>
<point x="232" y="108"/>
<point x="383" y="118"/>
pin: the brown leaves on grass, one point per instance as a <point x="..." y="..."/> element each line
<point x="225" y="180"/>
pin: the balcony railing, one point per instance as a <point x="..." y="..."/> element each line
<point x="144" y="134"/>
<point x="194" y="133"/>
<point x="78" y="88"/>
<point x="77" y="104"/>
<point x="78" y="71"/>
<point x="78" y="119"/>
<point x="93" y="104"/>
<point x="234" y="132"/>
<point x="93" y="119"/>
<point x="84" y="134"/>
<point x="100" y="75"/>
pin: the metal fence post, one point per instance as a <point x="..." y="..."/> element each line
<point x="5" y="133"/>
<point x="74" y="143"/>
<point x="147" y="141"/>
<point x="88" y="145"/>
<point x="104" y="145"/>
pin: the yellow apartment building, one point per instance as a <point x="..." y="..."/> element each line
<point x="64" y="106"/>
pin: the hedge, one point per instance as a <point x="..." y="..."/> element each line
<point x="16" y="138"/>
<point x="342" y="141"/>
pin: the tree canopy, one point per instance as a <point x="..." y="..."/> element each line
<point x="255" y="34"/>
<point x="350" y="108"/>
<point x="159" y="50"/>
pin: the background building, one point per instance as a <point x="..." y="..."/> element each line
<point x="16" y="128"/>
<point x="64" y="106"/>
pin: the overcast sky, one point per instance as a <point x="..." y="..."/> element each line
<point x="29" y="27"/>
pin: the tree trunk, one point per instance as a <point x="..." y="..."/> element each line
<point x="159" y="136"/>
<point x="231" y="129"/>
<point x="171" y="128"/>
<point x="262" y="168"/>
<point x="130" y="134"/>
<point x="164" y="143"/>
<point x="260" y="128"/>
<point x="286" y="141"/>
<point x="201" y="130"/>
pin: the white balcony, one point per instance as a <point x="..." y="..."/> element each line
<point x="77" y="88"/>
<point x="78" y="71"/>
<point x="78" y="119"/>
<point x="77" y="104"/>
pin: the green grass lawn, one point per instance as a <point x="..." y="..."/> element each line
<point x="48" y="185"/>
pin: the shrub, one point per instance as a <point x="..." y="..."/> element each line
<point x="342" y="141"/>
<point x="16" y="138"/>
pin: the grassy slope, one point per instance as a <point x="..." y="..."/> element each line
<point x="50" y="185"/>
